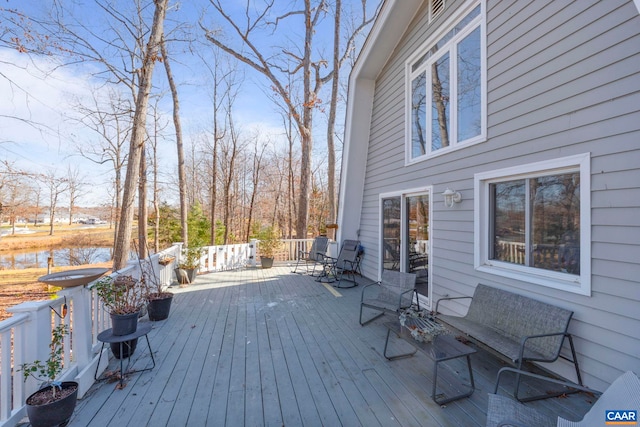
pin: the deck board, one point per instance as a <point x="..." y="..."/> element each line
<point x="268" y="347"/>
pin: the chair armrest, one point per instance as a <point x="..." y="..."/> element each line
<point x="523" y="341"/>
<point x="402" y="294"/>
<point x="326" y="259"/>
<point x="540" y="377"/>
<point x="448" y="299"/>
<point x="364" y="288"/>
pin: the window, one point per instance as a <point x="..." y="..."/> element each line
<point x="534" y="223"/>
<point x="446" y="101"/>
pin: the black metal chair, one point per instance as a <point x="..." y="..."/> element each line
<point x="347" y="264"/>
<point x="315" y="255"/>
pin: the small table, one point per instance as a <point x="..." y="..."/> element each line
<point x="442" y="348"/>
<point x="107" y="336"/>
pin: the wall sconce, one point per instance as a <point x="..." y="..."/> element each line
<point x="451" y="197"/>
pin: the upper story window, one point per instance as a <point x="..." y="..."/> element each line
<point x="446" y="85"/>
<point x="533" y="223"/>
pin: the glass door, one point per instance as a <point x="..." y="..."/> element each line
<point x="391" y="232"/>
<point x="405" y="234"/>
<point x="416" y="252"/>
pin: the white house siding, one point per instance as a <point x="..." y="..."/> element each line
<point x="563" y="79"/>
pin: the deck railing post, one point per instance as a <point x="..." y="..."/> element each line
<point x="253" y="246"/>
<point x="36" y="330"/>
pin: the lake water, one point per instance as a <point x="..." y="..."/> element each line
<point x="61" y="257"/>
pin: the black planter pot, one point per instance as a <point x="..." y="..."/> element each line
<point x="56" y="413"/>
<point x="128" y="348"/>
<point x="124" y="324"/>
<point x="159" y="308"/>
<point x="266" y="262"/>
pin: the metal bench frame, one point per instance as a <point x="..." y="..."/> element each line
<point x="517" y="328"/>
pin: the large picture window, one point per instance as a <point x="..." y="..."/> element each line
<point x="534" y="225"/>
<point x="445" y="107"/>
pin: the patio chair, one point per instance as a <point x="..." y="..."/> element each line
<point x="315" y="255"/>
<point x="392" y="293"/>
<point x="622" y="395"/>
<point x="346" y="264"/>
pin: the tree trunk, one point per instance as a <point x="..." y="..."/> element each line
<point x="335" y="85"/>
<point x="123" y="239"/>
<point x="143" y="214"/>
<point x="182" y="179"/>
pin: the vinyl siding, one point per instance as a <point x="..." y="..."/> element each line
<point x="563" y="79"/>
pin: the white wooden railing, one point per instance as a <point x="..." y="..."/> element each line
<point x="25" y="336"/>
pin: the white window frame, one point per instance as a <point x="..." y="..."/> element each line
<point x="480" y="20"/>
<point x="557" y="280"/>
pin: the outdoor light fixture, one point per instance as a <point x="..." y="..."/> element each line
<point x="451" y="197"/>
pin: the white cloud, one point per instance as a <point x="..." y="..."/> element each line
<point x="37" y="99"/>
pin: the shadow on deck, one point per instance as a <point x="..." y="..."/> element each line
<point x="267" y="347"/>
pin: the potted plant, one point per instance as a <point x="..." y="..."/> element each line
<point x="158" y="299"/>
<point x="123" y="297"/>
<point x="188" y="265"/>
<point x="269" y="244"/>
<point x="54" y="403"/>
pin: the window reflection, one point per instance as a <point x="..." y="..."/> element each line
<point x="419" y="115"/>
<point x="540" y="228"/>
<point x="440" y="103"/>
<point x="469" y="94"/>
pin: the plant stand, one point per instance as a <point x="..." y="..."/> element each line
<point x="108" y="337"/>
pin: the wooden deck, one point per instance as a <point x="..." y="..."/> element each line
<point x="267" y="347"/>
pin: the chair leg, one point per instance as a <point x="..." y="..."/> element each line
<point x="295" y="269"/>
<point x="575" y="360"/>
<point x="550" y="393"/>
<point x="370" y="320"/>
<point x="349" y="273"/>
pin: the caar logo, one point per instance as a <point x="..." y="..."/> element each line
<point x="621" y="417"/>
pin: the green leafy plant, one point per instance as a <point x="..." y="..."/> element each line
<point x="191" y="257"/>
<point x="121" y="295"/>
<point x="269" y="242"/>
<point x="48" y="371"/>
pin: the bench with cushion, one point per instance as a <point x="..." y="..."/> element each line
<point x="516" y="327"/>
<point x="389" y="295"/>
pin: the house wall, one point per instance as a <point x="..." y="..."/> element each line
<point x="563" y="79"/>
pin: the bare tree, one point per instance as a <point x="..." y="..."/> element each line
<point x="76" y="183"/>
<point x="275" y="67"/>
<point x="143" y="212"/>
<point x="182" y="180"/>
<point x="158" y="127"/>
<point x="56" y="185"/>
<point x="151" y="54"/>
<point x="258" y="154"/>
<point x="111" y="119"/>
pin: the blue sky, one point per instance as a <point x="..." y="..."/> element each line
<point x="45" y="93"/>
